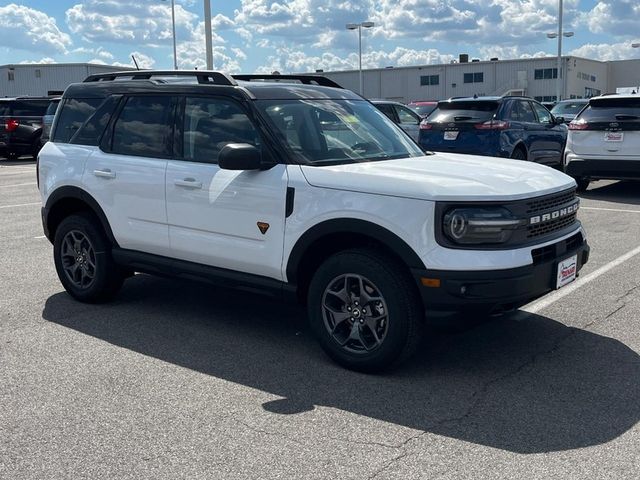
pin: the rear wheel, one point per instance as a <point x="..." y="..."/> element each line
<point x="83" y="261"/>
<point x="519" y="154"/>
<point x="365" y="310"/>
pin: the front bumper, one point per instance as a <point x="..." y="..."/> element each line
<point x="603" y="168"/>
<point x="495" y="291"/>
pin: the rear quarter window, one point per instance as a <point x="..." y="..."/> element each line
<point x="612" y="110"/>
<point x="73" y="113"/>
<point x="476" y="111"/>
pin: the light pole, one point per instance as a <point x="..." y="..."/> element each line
<point x="559" y="36"/>
<point x="359" y="27"/>
<point x="173" y="26"/>
<point x="207" y="34"/>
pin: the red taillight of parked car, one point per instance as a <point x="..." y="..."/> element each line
<point x="11" y="125"/>
<point x="492" y="125"/>
<point x="578" y="125"/>
<point x="424" y="125"/>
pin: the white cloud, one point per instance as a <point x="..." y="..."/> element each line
<point x="146" y="22"/>
<point x="293" y="60"/>
<point x="25" y="28"/>
<point x="621" y="17"/>
<point x="606" y="51"/>
<point x="43" y="60"/>
<point x="144" y="61"/>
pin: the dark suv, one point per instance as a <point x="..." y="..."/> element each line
<point x="512" y="127"/>
<point x="21" y="125"/>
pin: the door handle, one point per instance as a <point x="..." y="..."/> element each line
<point x="106" y="173"/>
<point x="188" y="183"/>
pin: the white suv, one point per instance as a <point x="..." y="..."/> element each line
<point x="604" y="140"/>
<point x="297" y="188"/>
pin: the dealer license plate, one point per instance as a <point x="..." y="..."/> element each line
<point x="451" y="135"/>
<point x="567" y="270"/>
<point x="613" y="136"/>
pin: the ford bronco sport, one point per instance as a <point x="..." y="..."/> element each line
<point x="298" y="188"/>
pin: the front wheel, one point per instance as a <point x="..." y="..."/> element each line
<point x="82" y="255"/>
<point x="365" y="310"/>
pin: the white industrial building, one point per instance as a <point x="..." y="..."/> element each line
<point x="533" y="77"/>
<point x="46" y="79"/>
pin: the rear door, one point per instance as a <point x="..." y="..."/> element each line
<point x="222" y="218"/>
<point x="126" y="175"/>
<point x="609" y="126"/>
<point x="408" y="120"/>
<point x="531" y="130"/>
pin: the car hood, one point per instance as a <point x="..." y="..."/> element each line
<point x="443" y="177"/>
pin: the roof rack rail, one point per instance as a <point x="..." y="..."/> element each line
<point x="203" y="76"/>
<point x="304" y="79"/>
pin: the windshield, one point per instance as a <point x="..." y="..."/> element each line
<point x="461" y="111"/>
<point x="423" y="110"/>
<point x="570" y="107"/>
<point x="337" y="131"/>
<point x="612" y="110"/>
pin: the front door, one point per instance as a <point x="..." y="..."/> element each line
<point x="222" y="218"/>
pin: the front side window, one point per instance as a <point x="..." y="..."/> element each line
<point x="210" y="124"/>
<point x="321" y="132"/>
<point x="387" y="110"/>
<point x="406" y="116"/>
<point x="144" y="127"/>
<point x="544" y="116"/>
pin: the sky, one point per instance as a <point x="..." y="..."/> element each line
<point x="305" y="35"/>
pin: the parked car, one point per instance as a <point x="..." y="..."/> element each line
<point x="21" y="125"/>
<point x="604" y="140"/>
<point x="423" y="108"/>
<point x="568" y="109"/>
<point x="47" y="120"/>
<point x="511" y="127"/>
<point x="401" y="115"/>
<point x="301" y="190"/>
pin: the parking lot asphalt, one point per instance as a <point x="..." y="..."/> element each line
<point x="179" y="380"/>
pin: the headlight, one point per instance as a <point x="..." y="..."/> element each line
<point x="472" y="226"/>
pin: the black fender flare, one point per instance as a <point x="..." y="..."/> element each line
<point x="72" y="192"/>
<point x="350" y="225"/>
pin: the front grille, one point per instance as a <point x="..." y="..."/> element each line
<point x="550" y="202"/>
<point x="551" y="226"/>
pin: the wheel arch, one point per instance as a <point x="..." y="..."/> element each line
<point x="332" y="236"/>
<point x="67" y="200"/>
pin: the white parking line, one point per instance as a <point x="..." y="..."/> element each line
<point x="610" y="209"/>
<point x="535" y="307"/>
<point x="18" y="184"/>
<point x="20" y="205"/>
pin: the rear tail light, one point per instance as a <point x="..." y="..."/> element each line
<point x="11" y="125"/>
<point x="424" y="125"/>
<point x="578" y="125"/>
<point x="492" y="125"/>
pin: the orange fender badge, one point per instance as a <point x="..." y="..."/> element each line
<point x="263" y="227"/>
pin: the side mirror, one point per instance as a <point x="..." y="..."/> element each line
<point x="559" y="120"/>
<point x="240" y="156"/>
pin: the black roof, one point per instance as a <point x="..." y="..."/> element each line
<point x="276" y="87"/>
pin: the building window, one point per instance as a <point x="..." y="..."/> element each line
<point x="591" y="92"/>
<point x="545" y="73"/>
<point x="429" y="80"/>
<point x="11" y="75"/>
<point x="477" y="77"/>
<point x="38" y="73"/>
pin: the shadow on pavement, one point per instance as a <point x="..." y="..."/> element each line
<point x="529" y="387"/>
<point x="627" y="192"/>
<point x="22" y="161"/>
